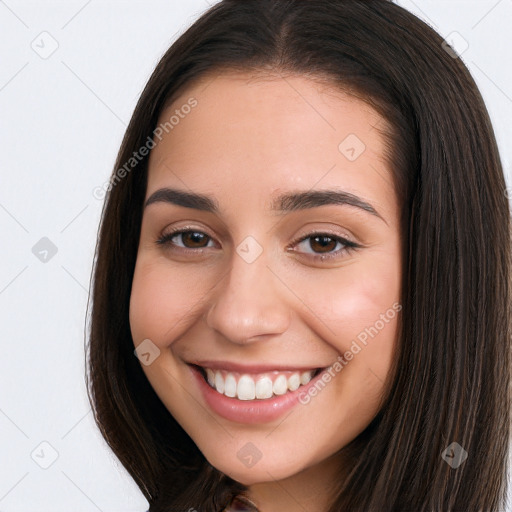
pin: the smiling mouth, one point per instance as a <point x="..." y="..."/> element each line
<point x="259" y="386"/>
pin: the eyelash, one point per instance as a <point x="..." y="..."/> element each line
<point x="349" y="246"/>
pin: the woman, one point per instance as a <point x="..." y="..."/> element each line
<point x="307" y="242"/>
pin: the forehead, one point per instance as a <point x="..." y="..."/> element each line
<point x="261" y="133"/>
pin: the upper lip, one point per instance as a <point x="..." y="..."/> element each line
<point x="231" y="366"/>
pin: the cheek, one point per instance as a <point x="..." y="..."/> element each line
<point x="162" y="302"/>
<point x="357" y="311"/>
<point x="362" y="302"/>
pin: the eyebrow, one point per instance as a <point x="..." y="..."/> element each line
<point x="291" y="201"/>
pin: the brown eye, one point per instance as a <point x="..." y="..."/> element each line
<point x="322" y="246"/>
<point x="194" y="238"/>
<point x="189" y="239"/>
<point x="322" y="243"/>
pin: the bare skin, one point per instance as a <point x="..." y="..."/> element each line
<point x="247" y="141"/>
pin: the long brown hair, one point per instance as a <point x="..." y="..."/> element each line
<point x="451" y="373"/>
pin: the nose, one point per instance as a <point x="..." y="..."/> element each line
<point x="249" y="303"/>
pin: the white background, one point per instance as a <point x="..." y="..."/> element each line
<point x="62" y="120"/>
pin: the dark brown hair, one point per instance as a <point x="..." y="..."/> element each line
<point x="451" y="375"/>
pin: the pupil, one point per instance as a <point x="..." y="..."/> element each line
<point x="195" y="236"/>
<point x="325" y="240"/>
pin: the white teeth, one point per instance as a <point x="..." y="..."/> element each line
<point x="264" y="388"/>
<point x="219" y="382"/>
<point x="249" y="388"/>
<point x="305" y="377"/>
<point x="210" y="375"/>
<point x="280" y="386"/>
<point x="246" y="389"/>
<point x="294" y="382"/>
<point x="230" y="385"/>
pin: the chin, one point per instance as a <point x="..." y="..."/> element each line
<point x="262" y="471"/>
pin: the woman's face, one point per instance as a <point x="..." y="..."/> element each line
<point x="288" y="264"/>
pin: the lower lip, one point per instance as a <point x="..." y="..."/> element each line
<point x="250" y="411"/>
